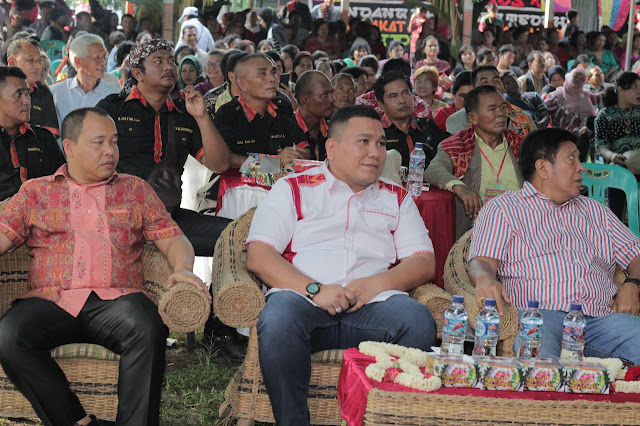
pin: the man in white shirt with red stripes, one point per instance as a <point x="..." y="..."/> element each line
<point x="325" y="241"/>
<point x="546" y="242"/>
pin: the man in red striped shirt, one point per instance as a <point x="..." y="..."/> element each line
<point x="548" y="243"/>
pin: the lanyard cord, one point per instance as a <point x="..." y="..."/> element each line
<point x="491" y="165"/>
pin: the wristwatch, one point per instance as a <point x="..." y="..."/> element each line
<point x="633" y="281"/>
<point x="313" y="289"/>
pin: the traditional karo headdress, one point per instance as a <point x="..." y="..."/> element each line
<point x="141" y="51"/>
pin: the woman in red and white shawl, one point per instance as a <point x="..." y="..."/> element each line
<point x="572" y="108"/>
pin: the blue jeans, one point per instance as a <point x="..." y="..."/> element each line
<point x="290" y="329"/>
<point x="611" y="336"/>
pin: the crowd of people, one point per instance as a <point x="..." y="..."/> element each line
<point x="505" y="122"/>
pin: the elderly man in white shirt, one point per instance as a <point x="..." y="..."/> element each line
<point x="324" y="242"/>
<point x="89" y="57"/>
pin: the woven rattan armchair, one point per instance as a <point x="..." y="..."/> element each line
<point x="238" y="301"/>
<point x="456" y="281"/>
<point x="92" y="370"/>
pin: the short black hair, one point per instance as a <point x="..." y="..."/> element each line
<point x="482" y="68"/>
<point x="357" y="45"/>
<point x="10" y="72"/>
<point x="232" y="62"/>
<point x="275" y="56"/>
<point x="532" y="56"/>
<point x="472" y="99"/>
<point x="397" y="64"/>
<point x="541" y="144"/>
<point x="225" y="60"/>
<point x="571" y="13"/>
<point x="354" y="72"/>
<point x="483" y="53"/>
<point x="319" y="54"/>
<point x="462" y="79"/>
<point x="291" y="50"/>
<point x="127" y="15"/>
<point x="624" y="82"/>
<point x="393" y="45"/>
<point x="369" y="61"/>
<point x="343" y="115"/>
<point x="73" y="122"/>
<point x="123" y="50"/>
<point x="384" y="79"/>
<point x="304" y="83"/>
<point x="506" y="48"/>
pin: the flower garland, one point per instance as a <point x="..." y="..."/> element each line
<point x="400" y="365"/>
<point x="631" y="382"/>
<point x="614" y="365"/>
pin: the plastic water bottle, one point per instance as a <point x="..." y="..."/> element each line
<point x="573" y="333"/>
<point x="455" y="327"/>
<point x="487" y="327"/>
<point x="416" y="171"/>
<point x="530" y="332"/>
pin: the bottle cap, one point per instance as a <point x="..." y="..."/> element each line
<point x="575" y="307"/>
<point x="490" y="302"/>
<point x="458" y="299"/>
<point x="418" y="145"/>
<point x="533" y="304"/>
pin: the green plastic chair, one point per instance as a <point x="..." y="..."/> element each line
<point x="598" y="177"/>
<point x="54" y="48"/>
<point x="54" y="66"/>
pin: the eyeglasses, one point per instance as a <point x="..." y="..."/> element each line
<point x="213" y="64"/>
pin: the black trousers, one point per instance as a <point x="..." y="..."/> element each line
<point x="129" y="326"/>
<point x="201" y="230"/>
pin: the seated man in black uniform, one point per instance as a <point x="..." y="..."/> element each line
<point x="147" y="115"/>
<point x="403" y="131"/>
<point x="24" y="53"/>
<point x="314" y="94"/>
<point x="257" y="121"/>
<point x="27" y="152"/>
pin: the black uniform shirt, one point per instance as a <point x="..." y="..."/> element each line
<point x="142" y="133"/>
<point x="43" y="110"/>
<point x="245" y="131"/>
<point x="31" y="153"/>
<point x="420" y="130"/>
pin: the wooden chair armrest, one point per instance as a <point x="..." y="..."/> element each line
<point x="237" y="294"/>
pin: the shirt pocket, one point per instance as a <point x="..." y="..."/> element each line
<point x="380" y="219"/>
<point x="122" y="226"/>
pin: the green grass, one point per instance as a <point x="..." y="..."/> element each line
<point x="194" y="384"/>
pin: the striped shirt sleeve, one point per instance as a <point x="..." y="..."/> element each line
<point x="491" y="233"/>
<point x="626" y="246"/>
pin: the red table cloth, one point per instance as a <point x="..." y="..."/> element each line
<point x="438" y="210"/>
<point x="354" y="386"/>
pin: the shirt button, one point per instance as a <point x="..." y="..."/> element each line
<point x="89" y="211"/>
<point x="131" y="129"/>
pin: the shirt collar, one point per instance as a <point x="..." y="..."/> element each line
<point x="135" y="94"/>
<point x="528" y="190"/>
<point x="64" y="172"/>
<point x="33" y="86"/>
<point x="24" y="127"/>
<point x="332" y="181"/>
<point x="386" y="123"/>
<point x="324" y="127"/>
<point x="251" y="113"/>
<point x="501" y="147"/>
